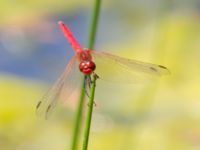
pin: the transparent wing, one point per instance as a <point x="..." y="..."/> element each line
<point x="67" y="83"/>
<point x="114" y="68"/>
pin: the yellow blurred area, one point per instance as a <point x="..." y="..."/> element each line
<point x="17" y="96"/>
<point x="18" y="121"/>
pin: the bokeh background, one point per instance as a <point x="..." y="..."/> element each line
<point x="161" y="115"/>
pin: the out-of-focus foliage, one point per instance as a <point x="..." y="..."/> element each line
<point x="161" y="115"/>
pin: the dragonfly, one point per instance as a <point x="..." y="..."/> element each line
<point x="106" y="66"/>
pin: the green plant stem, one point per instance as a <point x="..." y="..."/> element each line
<point x="93" y="24"/>
<point x="78" y="120"/>
<point x="89" y="114"/>
<point x="91" y="42"/>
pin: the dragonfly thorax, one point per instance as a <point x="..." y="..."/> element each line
<point x="84" y="55"/>
<point x="87" y="67"/>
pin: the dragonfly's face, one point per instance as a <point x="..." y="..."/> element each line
<point x="87" y="67"/>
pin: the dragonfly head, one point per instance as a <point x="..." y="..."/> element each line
<point x="87" y="66"/>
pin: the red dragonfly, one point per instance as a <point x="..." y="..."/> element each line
<point x="90" y="62"/>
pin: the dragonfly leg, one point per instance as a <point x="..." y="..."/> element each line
<point x="89" y="82"/>
<point x="94" y="103"/>
<point x="85" y="86"/>
<point x="95" y="75"/>
<point x="86" y="92"/>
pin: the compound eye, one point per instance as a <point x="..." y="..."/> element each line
<point x="87" y="67"/>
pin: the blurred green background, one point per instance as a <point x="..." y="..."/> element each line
<point x="161" y="115"/>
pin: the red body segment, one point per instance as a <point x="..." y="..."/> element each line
<point x="86" y="66"/>
<point x="68" y="34"/>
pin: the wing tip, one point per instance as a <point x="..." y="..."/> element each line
<point x="160" y="70"/>
<point x="165" y="70"/>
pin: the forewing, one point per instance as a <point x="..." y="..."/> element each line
<point x="68" y="81"/>
<point x="114" y="68"/>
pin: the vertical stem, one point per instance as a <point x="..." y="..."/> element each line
<point x="78" y="120"/>
<point x="93" y="24"/>
<point x="91" y="41"/>
<point x="89" y="114"/>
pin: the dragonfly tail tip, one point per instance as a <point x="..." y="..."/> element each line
<point x="60" y="22"/>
